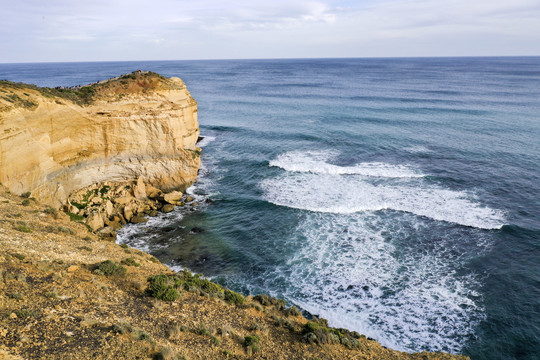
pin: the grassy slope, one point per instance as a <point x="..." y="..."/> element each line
<point x="54" y="306"/>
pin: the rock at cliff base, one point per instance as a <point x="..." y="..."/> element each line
<point x="152" y="192"/>
<point x="106" y="233"/>
<point x="167" y="208"/>
<point x="95" y="221"/>
<point x="173" y="197"/>
<point x="128" y="213"/>
<point x="140" y="189"/>
<point x="138" y="219"/>
<point x="189" y="199"/>
<point x="123" y="200"/>
<point x="109" y="208"/>
<point x="73" y="209"/>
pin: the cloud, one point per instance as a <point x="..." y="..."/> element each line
<point x="117" y="30"/>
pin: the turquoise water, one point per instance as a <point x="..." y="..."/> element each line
<point x="395" y="197"/>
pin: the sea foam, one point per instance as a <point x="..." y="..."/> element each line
<point x="316" y="162"/>
<point x="322" y="187"/>
<point x="359" y="279"/>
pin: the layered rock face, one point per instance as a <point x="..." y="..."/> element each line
<point x="138" y="126"/>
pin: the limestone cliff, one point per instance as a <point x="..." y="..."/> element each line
<point x="56" y="141"/>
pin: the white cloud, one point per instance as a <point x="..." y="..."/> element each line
<point x="174" y="29"/>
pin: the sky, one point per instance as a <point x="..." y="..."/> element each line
<point x="121" y="30"/>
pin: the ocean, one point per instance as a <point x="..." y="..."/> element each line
<point x="396" y="197"/>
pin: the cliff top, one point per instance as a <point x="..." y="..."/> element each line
<point x="20" y="95"/>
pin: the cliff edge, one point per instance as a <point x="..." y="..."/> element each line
<point x="54" y="142"/>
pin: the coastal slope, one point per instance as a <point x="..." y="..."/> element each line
<point x="54" y="142"/>
<point x="59" y="301"/>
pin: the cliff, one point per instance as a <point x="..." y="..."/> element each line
<point x="54" y="142"/>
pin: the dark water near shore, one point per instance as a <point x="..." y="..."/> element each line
<point x="396" y="197"/>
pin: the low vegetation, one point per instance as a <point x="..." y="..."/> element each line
<point x="110" y="268"/>
<point x="318" y="332"/>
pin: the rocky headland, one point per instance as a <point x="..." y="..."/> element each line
<point x="75" y="165"/>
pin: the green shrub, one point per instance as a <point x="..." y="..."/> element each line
<point x="268" y="300"/>
<point x="50" y="211"/>
<point x="318" y="332"/>
<point x="26" y="195"/>
<point x="310" y="327"/>
<point x="256" y="306"/>
<point x="209" y="287"/>
<point x="26" y="202"/>
<point x="163" y="287"/>
<point x="66" y="230"/>
<point x="25" y="313"/>
<point x="110" y="268"/>
<point x="283" y="322"/>
<point x="293" y="311"/>
<point x="130" y="262"/>
<point x="234" y="297"/>
<point x="74" y="217"/>
<point x="22" y="226"/>
<point x="79" y="205"/>
<point x="251" y="340"/>
<point x="202" y="330"/>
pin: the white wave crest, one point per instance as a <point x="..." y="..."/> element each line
<point x="205" y="141"/>
<point x="317" y="162"/>
<point x="351" y="194"/>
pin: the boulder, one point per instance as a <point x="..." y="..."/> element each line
<point x="152" y="192"/>
<point x="189" y="199"/>
<point x="72" y="209"/>
<point x="128" y="213"/>
<point x="123" y="200"/>
<point x="106" y="233"/>
<point x="173" y="197"/>
<point x="143" y="209"/>
<point x="109" y="208"/>
<point x="115" y="223"/>
<point x="167" y="208"/>
<point x="95" y="221"/>
<point x="140" y="189"/>
<point x="137" y="219"/>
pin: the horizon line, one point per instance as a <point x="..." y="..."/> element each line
<point x="284" y="58"/>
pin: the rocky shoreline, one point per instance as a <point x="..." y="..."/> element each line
<point x="107" y="206"/>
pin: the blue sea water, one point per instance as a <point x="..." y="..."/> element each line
<point x="396" y="197"/>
